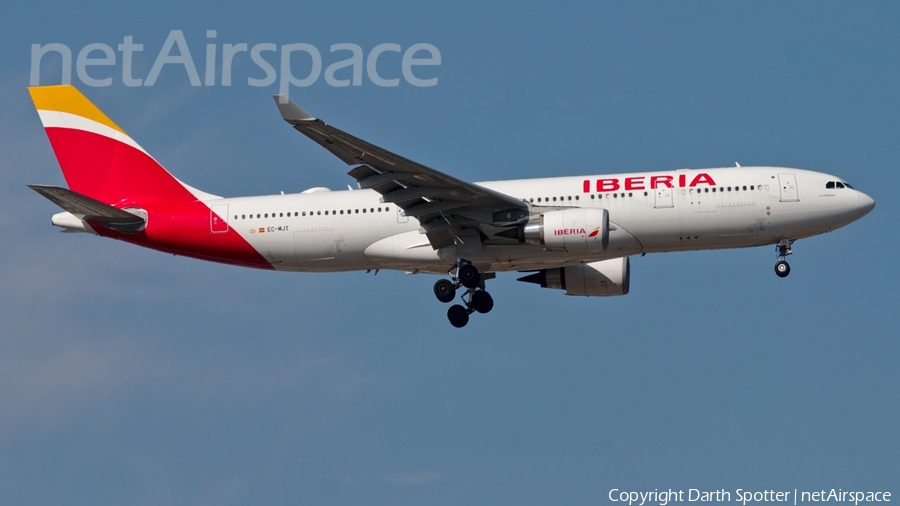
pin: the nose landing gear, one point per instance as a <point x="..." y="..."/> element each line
<point x="476" y="299"/>
<point x="782" y="268"/>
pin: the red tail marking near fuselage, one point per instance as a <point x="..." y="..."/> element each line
<point x="99" y="160"/>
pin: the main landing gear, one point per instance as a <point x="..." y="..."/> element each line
<point x="782" y="268"/>
<point x="476" y="299"/>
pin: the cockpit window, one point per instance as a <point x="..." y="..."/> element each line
<point x="848" y="185"/>
<point x="829" y="185"/>
<point x="840" y="184"/>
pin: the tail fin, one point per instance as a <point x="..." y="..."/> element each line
<point x="99" y="159"/>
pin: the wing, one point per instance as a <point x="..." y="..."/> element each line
<point x="443" y="204"/>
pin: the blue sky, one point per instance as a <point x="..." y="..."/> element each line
<point x="132" y="377"/>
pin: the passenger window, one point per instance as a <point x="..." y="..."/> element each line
<point x="554" y="199"/>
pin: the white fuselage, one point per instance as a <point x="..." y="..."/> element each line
<point x="326" y="231"/>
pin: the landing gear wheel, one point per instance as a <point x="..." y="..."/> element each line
<point x="782" y="269"/>
<point x="444" y="290"/>
<point x="482" y="302"/>
<point x="469" y="276"/>
<point x="458" y="316"/>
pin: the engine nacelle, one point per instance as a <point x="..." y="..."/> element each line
<point x="577" y="229"/>
<point x="597" y="279"/>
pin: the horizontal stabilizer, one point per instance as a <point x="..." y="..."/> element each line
<point x="88" y="209"/>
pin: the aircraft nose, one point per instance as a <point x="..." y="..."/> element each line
<point x="865" y="203"/>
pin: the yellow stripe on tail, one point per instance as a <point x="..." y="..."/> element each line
<point x="66" y="98"/>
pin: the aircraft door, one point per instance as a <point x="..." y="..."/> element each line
<point x="788" y="188"/>
<point x="218" y="219"/>
<point x="401" y="218"/>
<point x="663" y="197"/>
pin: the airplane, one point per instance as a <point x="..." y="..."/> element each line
<point x="572" y="233"/>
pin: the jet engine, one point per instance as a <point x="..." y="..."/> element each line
<point x="596" y="279"/>
<point x="577" y="229"/>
